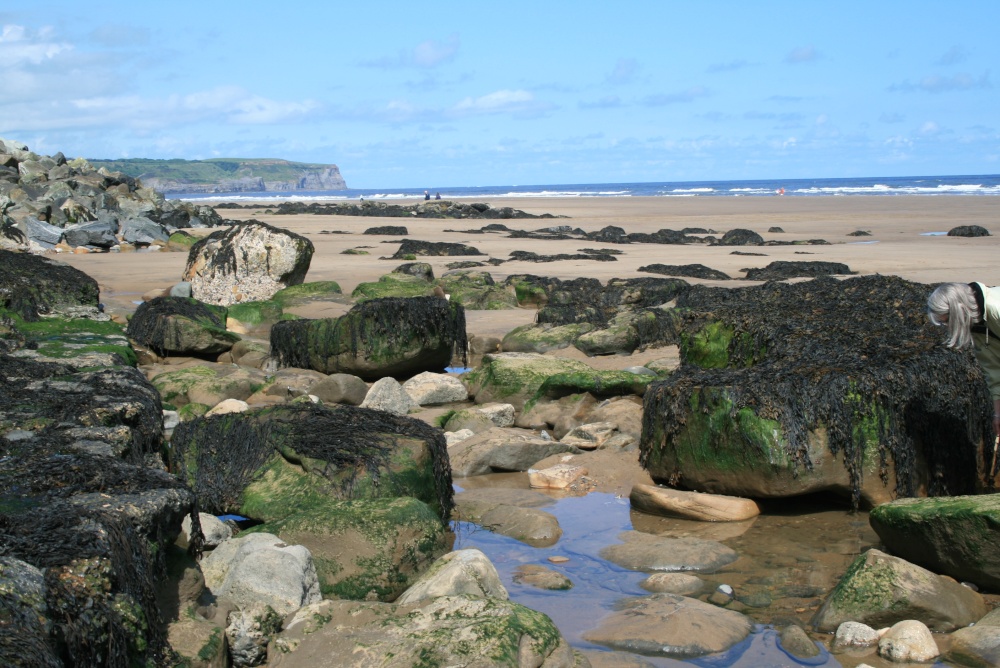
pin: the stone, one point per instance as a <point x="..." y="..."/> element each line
<point x="460" y="573"/>
<point x="645" y="552"/>
<point x="501" y="415"/>
<point x="879" y="590"/>
<point x="590" y="436"/>
<point x="215" y="530"/>
<point x="541" y="577"/>
<point x="682" y="584"/>
<point x="559" y="476"/>
<point x="100" y="233"/>
<point x="501" y="450"/>
<point x="228" y="406"/>
<point x="515" y="378"/>
<point x="794" y="640"/>
<point x="908" y="640"/>
<point x="528" y="525"/>
<point x="453" y="437"/>
<point x="268" y="260"/>
<point x="249" y="631"/>
<point x="670" y="625"/>
<point x="262" y="568"/>
<point x="977" y="645"/>
<point x="691" y="505"/>
<point x="42" y="233"/>
<point x="953" y="535"/>
<point x="476" y="290"/>
<point x="340" y="388"/>
<point x="854" y="635"/>
<point x="177" y="326"/>
<point x="540" y="338"/>
<point x="429" y="389"/>
<point x="291" y="383"/>
<point x="468" y="419"/>
<point x="388" y="395"/>
<point x="142" y="231"/>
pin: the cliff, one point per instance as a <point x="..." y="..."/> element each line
<point x="227" y="175"/>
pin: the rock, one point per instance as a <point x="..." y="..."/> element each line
<point x="879" y="590"/>
<point x="513" y="513"/>
<point x="540" y="338"/>
<point x="388" y="395"/>
<point x="741" y="237"/>
<point x="444" y="631"/>
<point x="756" y="394"/>
<point x="43" y="286"/>
<point x="267" y="260"/>
<point x="691" y="270"/>
<point x="340" y="388"/>
<point x="42" y="233"/>
<point x="854" y="635"/>
<point x="249" y="630"/>
<point x="291" y="383"/>
<point x="476" y="290"/>
<point x="468" y="419"/>
<point x="977" y="645"/>
<point x="968" y="231"/>
<point x="501" y="415"/>
<point x="142" y="231"/>
<point x="908" y="640"/>
<point x="100" y="233"/>
<point x="182" y="289"/>
<point x="422" y="270"/>
<point x="431" y="248"/>
<point x="645" y="552"/>
<point x="782" y="269"/>
<point x="429" y="389"/>
<point x="262" y="568"/>
<point x="453" y="437"/>
<point x="377" y="338"/>
<point x="794" y="640"/>
<point x="176" y="326"/>
<point x="670" y="625"/>
<point x="620" y="337"/>
<point x="691" y="505"/>
<point x="953" y="535"/>
<point x="460" y="573"/>
<point x="559" y="476"/>
<point x="515" y="378"/>
<point x="682" y="584"/>
<point x="215" y="531"/>
<point x="501" y="450"/>
<point x="541" y="577"/>
<point x="590" y="436"/>
<point x="394" y="285"/>
<point x="228" y="406"/>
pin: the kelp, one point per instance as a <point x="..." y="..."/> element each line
<point x="781" y="269"/>
<point x="432" y="248"/>
<point x="31" y="285"/>
<point x="223" y="454"/>
<point x="855" y="357"/>
<point x="148" y="325"/>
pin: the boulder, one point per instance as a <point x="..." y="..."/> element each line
<point x="261" y="568"/>
<point x="178" y="326"/>
<point x="879" y="590"/>
<point x="741" y="237"/>
<point x="214" y="530"/>
<point x="954" y="535"/>
<point x="682" y="584"/>
<point x="559" y="476"/>
<point x="32" y="285"/>
<point x="782" y="269"/>
<point x="515" y="378"/>
<point x="498" y="450"/>
<point x="788" y="389"/>
<point x="444" y="631"/>
<point x="428" y="389"/>
<point x="100" y="233"/>
<point x="977" y="645"/>
<point x="392" y="285"/>
<point x="541" y="577"/>
<point x="645" y="552"/>
<point x="459" y="573"/>
<point x="541" y="338"/>
<point x="377" y="338"/>
<point x="968" y="231"/>
<point x="691" y="505"/>
<point x="854" y="635"/>
<point x="388" y="395"/>
<point x="247" y="262"/>
<point x="908" y="641"/>
<point x="44" y="234"/>
<point x="468" y="419"/>
<point x="340" y="388"/>
<point x="670" y="625"/>
<point x="419" y="269"/>
<point x="476" y="290"/>
<point x="589" y="436"/>
<point x="142" y="231"/>
<point x="249" y="630"/>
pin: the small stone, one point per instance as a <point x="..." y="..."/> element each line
<point x="909" y="640"/>
<point x="558" y="559"/>
<point x="852" y="635"/>
<point x="559" y="476"/>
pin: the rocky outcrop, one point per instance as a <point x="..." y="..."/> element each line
<point x="47" y="200"/>
<point x="248" y="262"/>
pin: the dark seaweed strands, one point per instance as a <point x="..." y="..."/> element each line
<point x="148" y="327"/>
<point x="837" y="354"/>
<point x="230" y="451"/>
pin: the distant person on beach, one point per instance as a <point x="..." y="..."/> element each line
<point x="427" y="195"/>
<point x="971" y="312"/>
<point x="437" y="195"/>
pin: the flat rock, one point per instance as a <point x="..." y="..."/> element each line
<point x="682" y="584"/>
<point x="559" y="476"/>
<point x="429" y="389"/>
<point x="541" y="577"/>
<point x="501" y="450"/>
<point x="462" y="572"/>
<point x="692" y="505"/>
<point x="645" y="552"/>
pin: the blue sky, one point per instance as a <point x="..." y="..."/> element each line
<point x="501" y="93"/>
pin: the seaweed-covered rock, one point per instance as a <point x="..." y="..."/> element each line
<point x="541" y="338"/>
<point x="443" y="631"/>
<point x="821" y="385"/>
<point x="476" y="290"/>
<point x="392" y="230"/>
<point x="376" y="338"/>
<point x="31" y="285"/>
<point x="741" y="237"/>
<point x="880" y="590"/>
<point x="515" y="378"/>
<point x="690" y="270"/>
<point x="419" y="269"/>
<point x="968" y="231"/>
<point x="392" y="285"/>
<point x="179" y="326"/>
<point x="954" y="535"/>
<point x="782" y="269"/>
<point x="432" y="248"/>
<point x="247" y="262"/>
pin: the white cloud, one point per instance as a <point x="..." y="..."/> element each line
<point x="18" y="46"/>
<point x="935" y="83"/>
<point x="427" y="54"/>
<point x="802" y="54"/>
<point x="498" y="102"/>
<point x="624" y="72"/>
<point x="929" y="129"/>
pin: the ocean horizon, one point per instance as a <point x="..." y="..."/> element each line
<point x="960" y="185"/>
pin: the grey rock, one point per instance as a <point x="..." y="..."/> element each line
<point x="854" y="635"/>
<point x="215" y="530"/>
<point x="42" y="233"/>
<point x="502" y="450"/>
<point x="143" y="231"/>
<point x="389" y="396"/>
<point x="340" y="388"/>
<point x="100" y="233"/>
<point x="646" y="552"/>
<point x="794" y="640"/>
<point x="682" y="584"/>
<point x="182" y="289"/>
<point x="463" y="572"/>
<point x="249" y="631"/>
<point x="429" y="389"/>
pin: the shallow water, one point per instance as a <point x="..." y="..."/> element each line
<point x="790" y="557"/>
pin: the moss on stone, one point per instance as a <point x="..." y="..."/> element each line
<point x="393" y="285"/>
<point x="597" y="383"/>
<point x="65" y="338"/>
<point x="256" y="313"/>
<point x="866" y="587"/>
<point x="540" y="338"/>
<point x="304" y="292"/>
<point x="174" y="385"/>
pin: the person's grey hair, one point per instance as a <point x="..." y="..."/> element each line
<point x="957" y="301"/>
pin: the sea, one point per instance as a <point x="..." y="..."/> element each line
<point x="971" y="186"/>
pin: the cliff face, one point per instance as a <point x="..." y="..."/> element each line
<point x="228" y="175"/>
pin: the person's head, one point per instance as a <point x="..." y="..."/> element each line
<point x="953" y="305"/>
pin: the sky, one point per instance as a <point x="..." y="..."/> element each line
<point x="402" y="94"/>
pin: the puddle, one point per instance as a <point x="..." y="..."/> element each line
<point x="933" y="234"/>
<point x="793" y="553"/>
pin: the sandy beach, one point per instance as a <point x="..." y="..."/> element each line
<point x="906" y="240"/>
